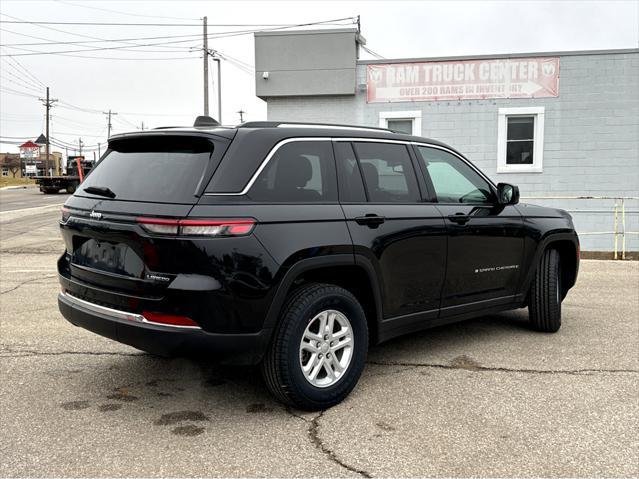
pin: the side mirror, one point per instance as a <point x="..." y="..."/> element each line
<point x="507" y="194"/>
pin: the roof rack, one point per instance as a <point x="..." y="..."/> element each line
<point x="291" y="124"/>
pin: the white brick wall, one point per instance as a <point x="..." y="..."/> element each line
<point x="591" y="145"/>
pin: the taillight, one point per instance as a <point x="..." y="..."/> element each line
<point x="207" y="227"/>
<point x="159" y="225"/>
<point x="236" y="227"/>
<point x="169" y="319"/>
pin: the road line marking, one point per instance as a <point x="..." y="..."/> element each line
<point x="35" y="208"/>
<point x="28" y="270"/>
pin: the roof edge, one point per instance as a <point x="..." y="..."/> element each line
<point x="306" y="32"/>
<point x="502" y="55"/>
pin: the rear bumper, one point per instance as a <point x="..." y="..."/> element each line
<point x="133" y="329"/>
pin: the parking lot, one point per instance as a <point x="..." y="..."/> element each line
<point x="486" y="397"/>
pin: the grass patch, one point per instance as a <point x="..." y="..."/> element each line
<point x="8" y="181"/>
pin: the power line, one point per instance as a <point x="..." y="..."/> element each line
<point x="125" y="48"/>
<point x="122" y="13"/>
<point x="141" y="59"/>
<point x="21" y="85"/>
<point x="116" y="40"/>
<point x="216" y="35"/>
<point x="17" y="46"/>
<point x="14" y="63"/>
<point x="120" y="24"/>
<point x="67" y="106"/>
<point x="22" y="78"/>
<point x="127" y="122"/>
<point x="63" y="144"/>
<point x="19" y="93"/>
<point x="17" y="19"/>
<point x="377" y="55"/>
<point x="76" y="134"/>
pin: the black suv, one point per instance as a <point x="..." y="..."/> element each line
<point x="298" y="245"/>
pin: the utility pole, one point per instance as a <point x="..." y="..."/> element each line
<point x="205" y="56"/>
<point x="142" y="126"/>
<point x="219" y="87"/>
<point x="80" y="143"/>
<point x="109" y="113"/>
<point x="47" y="104"/>
<point x="241" y="112"/>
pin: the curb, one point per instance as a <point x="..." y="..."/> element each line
<point x="17" y="187"/>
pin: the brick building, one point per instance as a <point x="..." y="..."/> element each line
<point x="558" y="124"/>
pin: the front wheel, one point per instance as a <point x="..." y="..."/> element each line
<point x="544" y="307"/>
<point x="319" y="348"/>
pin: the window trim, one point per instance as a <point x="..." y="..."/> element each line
<point x="281" y="143"/>
<point x="538" y="113"/>
<point x="414" y="115"/>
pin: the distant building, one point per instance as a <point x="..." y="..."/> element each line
<point x="561" y="124"/>
<point x="31" y="161"/>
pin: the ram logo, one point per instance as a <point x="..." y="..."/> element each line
<point x="548" y="68"/>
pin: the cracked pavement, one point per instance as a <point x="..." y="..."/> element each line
<point x="486" y="397"/>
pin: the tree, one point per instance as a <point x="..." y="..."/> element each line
<point x="12" y="163"/>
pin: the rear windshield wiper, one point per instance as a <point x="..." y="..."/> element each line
<point x="100" y="190"/>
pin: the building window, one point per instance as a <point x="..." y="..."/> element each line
<point x="407" y="122"/>
<point x="520" y="140"/>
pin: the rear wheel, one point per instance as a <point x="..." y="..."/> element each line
<point x="319" y="348"/>
<point x="71" y="189"/>
<point x="544" y="306"/>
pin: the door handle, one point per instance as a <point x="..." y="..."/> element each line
<point x="459" y="218"/>
<point x="370" y="220"/>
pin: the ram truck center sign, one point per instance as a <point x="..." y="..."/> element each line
<point x="463" y="80"/>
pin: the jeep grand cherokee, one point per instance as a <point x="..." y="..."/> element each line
<point x="298" y="245"/>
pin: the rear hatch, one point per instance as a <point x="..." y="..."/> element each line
<point x="150" y="176"/>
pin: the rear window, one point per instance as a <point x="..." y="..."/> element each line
<point x="156" y="169"/>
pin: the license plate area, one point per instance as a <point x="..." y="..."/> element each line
<point x="108" y="256"/>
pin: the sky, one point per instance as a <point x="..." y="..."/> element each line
<point x="162" y="85"/>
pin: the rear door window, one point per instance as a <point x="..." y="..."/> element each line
<point x="388" y="173"/>
<point x="298" y="172"/>
<point x="154" y="169"/>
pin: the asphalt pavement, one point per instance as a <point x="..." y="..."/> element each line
<point x="29" y="197"/>
<point x="486" y="397"/>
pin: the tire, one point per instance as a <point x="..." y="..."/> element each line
<point x="71" y="189"/>
<point x="282" y="365"/>
<point x="544" y="307"/>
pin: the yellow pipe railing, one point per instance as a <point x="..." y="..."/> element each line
<point x="619" y="214"/>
